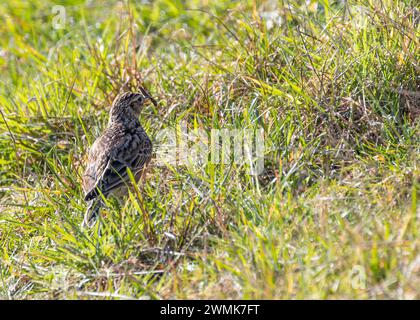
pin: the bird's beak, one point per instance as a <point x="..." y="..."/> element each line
<point x="150" y="99"/>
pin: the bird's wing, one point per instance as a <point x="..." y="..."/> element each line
<point x="115" y="173"/>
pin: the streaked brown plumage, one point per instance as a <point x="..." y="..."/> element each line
<point x="123" y="145"/>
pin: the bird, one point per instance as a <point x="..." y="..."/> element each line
<point x="124" y="145"/>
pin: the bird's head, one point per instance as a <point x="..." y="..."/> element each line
<point x="130" y="103"/>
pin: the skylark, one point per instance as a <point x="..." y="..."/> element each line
<point x="124" y="145"/>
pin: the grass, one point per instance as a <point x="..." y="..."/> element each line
<point x="335" y="86"/>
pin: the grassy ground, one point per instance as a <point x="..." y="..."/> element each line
<point x="335" y="85"/>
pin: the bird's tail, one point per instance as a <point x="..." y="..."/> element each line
<point x="92" y="213"/>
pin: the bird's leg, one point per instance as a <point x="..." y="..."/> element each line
<point x="92" y="213"/>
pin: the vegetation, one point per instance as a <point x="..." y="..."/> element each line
<point x="335" y="86"/>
